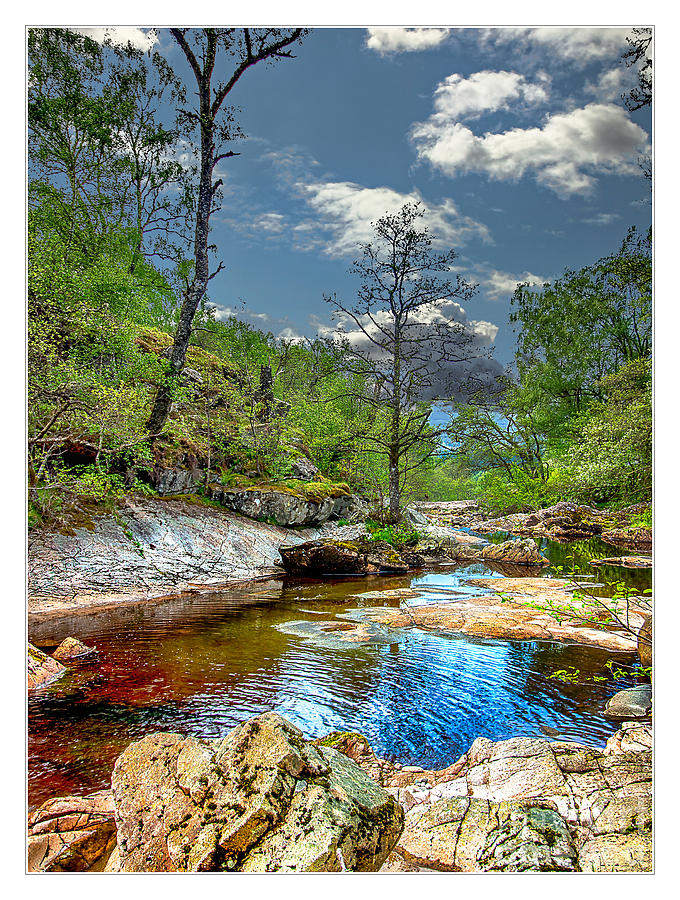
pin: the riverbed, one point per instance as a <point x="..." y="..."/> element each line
<point x="200" y="664"/>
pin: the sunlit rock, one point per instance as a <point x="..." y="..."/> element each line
<point x="41" y="669"/>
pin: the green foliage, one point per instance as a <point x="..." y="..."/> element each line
<point x="572" y="675"/>
<point x="398" y="536"/>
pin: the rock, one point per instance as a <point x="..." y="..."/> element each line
<point x="72" y="834"/>
<point x="182" y="479"/>
<point x="414" y="518"/>
<point x="326" y="556"/>
<point x="285" y="508"/>
<point x="644" y="642"/>
<point x="528" y="804"/>
<point x="521" y="612"/>
<point x="261" y="799"/>
<point x="635" y="538"/>
<point x="72" y="648"/>
<point x="565" y="521"/>
<point x="516" y="553"/>
<point x="41" y="669"/>
<point x="626" y="562"/>
<point x="630" y="703"/>
<point x="304" y="469"/>
<point x="191" y="376"/>
<point x="436" y="540"/>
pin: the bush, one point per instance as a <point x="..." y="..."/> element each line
<point x="397" y="536"/>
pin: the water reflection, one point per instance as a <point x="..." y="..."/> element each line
<point x="202" y="664"/>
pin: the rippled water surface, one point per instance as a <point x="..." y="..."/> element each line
<point x="202" y="664"/>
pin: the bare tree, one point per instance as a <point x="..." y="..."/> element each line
<point x="402" y="336"/>
<point x="209" y="52"/>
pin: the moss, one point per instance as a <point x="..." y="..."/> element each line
<point x="311" y="491"/>
<point x="340" y="738"/>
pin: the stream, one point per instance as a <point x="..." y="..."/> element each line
<point x="202" y="664"/>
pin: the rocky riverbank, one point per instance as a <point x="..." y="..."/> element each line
<point x="265" y="799"/>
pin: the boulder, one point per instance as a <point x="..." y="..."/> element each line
<point x="330" y="557"/>
<point x="414" y="518"/>
<point x="287" y="508"/>
<point x="41" y="669"/>
<point x="528" y="804"/>
<point x="631" y="703"/>
<point x="515" y="553"/>
<point x="260" y="800"/>
<point x="625" y="562"/>
<point x="304" y="469"/>
<point x="644" y="642"/>
<point x="633" y="538"/>
<point x="176" y="480"/>
<point x="72" y="648"/>
<point x="72" y="834"/>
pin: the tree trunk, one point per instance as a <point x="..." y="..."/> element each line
<point x="394" y="489"/>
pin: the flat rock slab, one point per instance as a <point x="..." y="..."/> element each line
<point x="625" y="562"/>
<point x="488" y="617"/>
<point x="72" y="834"/>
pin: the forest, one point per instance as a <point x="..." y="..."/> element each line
<point x="115" y="257"/>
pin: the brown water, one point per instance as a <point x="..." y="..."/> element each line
<point x="201" y="664"/>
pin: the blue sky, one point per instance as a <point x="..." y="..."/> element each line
<point x="516" y="140"/>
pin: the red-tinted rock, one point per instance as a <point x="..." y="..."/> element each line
<point x="41" y="668"/>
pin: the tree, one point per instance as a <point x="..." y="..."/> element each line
<point x="638" y="54"/>
<point x="215" y="123"/>
<point x="400" y="337"/>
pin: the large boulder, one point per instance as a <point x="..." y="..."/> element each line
<point x="304" y="469"/>
<point x="631" y="703"/>
<point x="41" y="669"/>
<point x="72" y="834"/>
<point x="260" y="800"/>
<point x="286" y="507"/>
<point x="331" y="557"/>
<point x="644" y="641"/>
<point x="515" y="553"/>
<point x="632" y="538"/>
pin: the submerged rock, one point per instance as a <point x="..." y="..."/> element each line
<point x="41" y="669"/>
<point x="72" y="648"/>
<point x="72" y="834"/>
<point x="261" y="799"/>
<point x="327" y="556"/>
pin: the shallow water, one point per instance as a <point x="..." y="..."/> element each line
<point x="200" y="665"/>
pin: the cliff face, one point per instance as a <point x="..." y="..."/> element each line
<point x="148" y="549"/>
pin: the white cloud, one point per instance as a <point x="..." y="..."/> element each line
<point x="291" y="335"/>
<point x="578" y="45"/>
<point x="500" y="285"/>
<point x="611" y="83"/>
<point x="346" y="210"/>
<point x="563" y="154"/>
<point x="602" y="219"/>
<point x="140" y="38"/>
<point x="396" y="40"/>
<point x="271" y="222"/>
<point x="457" y="97"/>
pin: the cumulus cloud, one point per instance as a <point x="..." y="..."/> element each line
<point x="578" y="45"/>
<point x="441" y="376"/>
<point x="457" y="97"/>
<point x="398" y="40"/>
<point x="140" y="38"/>
<point x="563" y="154"/>
<point x="499" y="285"/>
<point x="611" y="84"/>
<point x="346" y="210"/>
<point x="602" y="219"/>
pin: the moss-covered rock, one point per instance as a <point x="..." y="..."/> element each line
<point x="328" y="556"/>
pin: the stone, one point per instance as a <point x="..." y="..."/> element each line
<point x="72" y="834"/>
<point x="516" y="553"/>
<point x="634" y="538"/>
<point x="414" y="518"/>
<point x="617" y="853"/>
<point x="261" y="799"/>
<point x="327" y="556"/>
<point x="72" y="648"/>
<point x="644" y="642"/>
<point x="41" y="669"/>
<point x="285" y="508"/>
<point x="626" y="562"/>
<point x="303" y="468"/>
<point x="179" y="480"/>
<point x="630" y="703"/>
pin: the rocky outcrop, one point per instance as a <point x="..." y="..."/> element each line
<point x="288" y="508"/>
<point x="71" y="648"/>
<point x="631" y="703"/>
<point x="515" y="553"/>
<point x="260" y="800"/>
<point x="331" y="557"/>
<point x="304" y="469"/>
<point x="566" y="521"/>
<point x="72" y="834"/>
<point x="148" y="549"/>
<point x="633" y="538"/>
<point x="41" y="669"/>
<point x="519" y="609"/>
<point x="625" y="562"/>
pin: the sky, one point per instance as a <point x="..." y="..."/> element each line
<point x="515" y="140"/>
